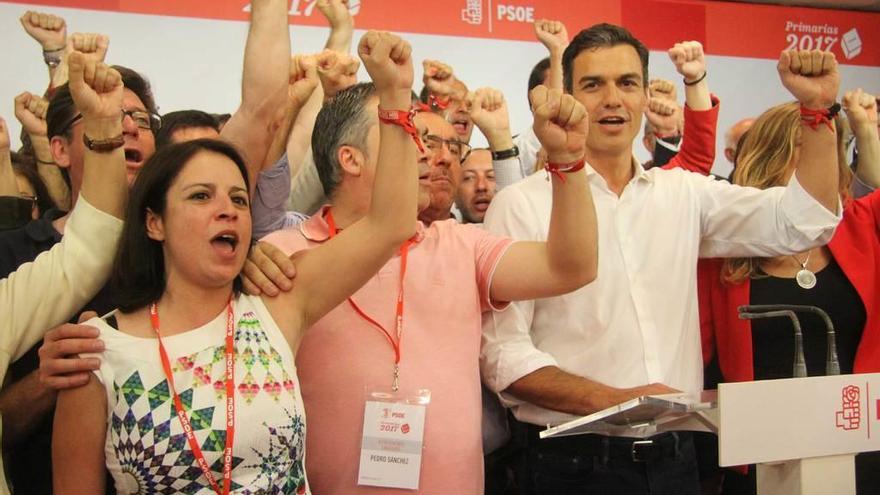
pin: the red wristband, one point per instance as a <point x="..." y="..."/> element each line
<point x="814" y="118"/>
<point x="437" y="102"/>
<point x="403" y="119"/>
<point x="558" y="169"/>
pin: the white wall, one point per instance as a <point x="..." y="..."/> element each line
<point x="196" y="63"/>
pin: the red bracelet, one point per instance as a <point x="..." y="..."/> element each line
<point x="814" y="118"/>
<point x="403" y="119"/>
<point x="558" y="169"/>
<point x="422" y="107"/>
<point x="437" y="102"/>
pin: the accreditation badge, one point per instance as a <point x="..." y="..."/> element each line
<point x="393" y="438"/>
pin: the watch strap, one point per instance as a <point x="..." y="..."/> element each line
<point x="104" y="145"/>
<point x="505" y="154"/>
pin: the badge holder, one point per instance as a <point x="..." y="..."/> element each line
<point x="393" y="437"/>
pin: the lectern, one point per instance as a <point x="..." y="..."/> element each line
<point x="802" y="433"/>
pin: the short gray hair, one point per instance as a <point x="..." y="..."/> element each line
<point x="342" y="121"/>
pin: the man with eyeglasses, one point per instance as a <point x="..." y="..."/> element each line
<point x="445" y="157"/>
<point x="451" y="273"/>
<point x="26" y="404"/>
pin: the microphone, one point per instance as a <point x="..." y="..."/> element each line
<point x="799" y="368"/>
<point x="832" y="362"/>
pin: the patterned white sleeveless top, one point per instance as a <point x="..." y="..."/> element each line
<point x="146" y="450"/>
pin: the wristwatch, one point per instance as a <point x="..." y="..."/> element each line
<point x="103" y="145"/>
<point x="52" y="57"/>
<point x="505" y="154"/>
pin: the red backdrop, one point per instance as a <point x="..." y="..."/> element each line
<point x="725" y="28"/>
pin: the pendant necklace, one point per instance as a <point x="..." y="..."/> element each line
<point x="805" y="278"/>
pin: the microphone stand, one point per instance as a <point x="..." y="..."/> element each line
<point x="832" y="362"/>
<point x="799" y="368"/>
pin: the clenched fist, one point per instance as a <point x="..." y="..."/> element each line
<point x="30" y="110"/>
<point x="96" y="88"/>
<point x="665" y="116"/>
<point x="811" y="76"/>
<point x="438" y="78"/>
<point x="337" y="12"/>
<point x="93" y="45"/>
<point x="861" y="110"/>
<point x="388" y="60"/>
<point x="303" y="79"/>
<point x="560" y="124"/>
<point x="337" y="71"/>
<point x="689" y="59"/>
<point x="551" y="34"/>
<point x="663" y="89"/>
<point x="50" y="31"/>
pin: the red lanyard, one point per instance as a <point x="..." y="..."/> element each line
<point x="404" y="249"/>
<point x="230" y="402"/>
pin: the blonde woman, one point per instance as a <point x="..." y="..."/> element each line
<point x="842" y="277"/>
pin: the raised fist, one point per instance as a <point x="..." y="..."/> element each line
<point x="661" y="88"/>
<point x="388" y="60"/>
<point x="95" y="87"/>
<point x="552" y="34"/>
<point x="337" y="71"/>
<point x="811" y="76"/>
<point x="30" y="110"/>
<point x="861" y="110"/>
<point x="49" y="30"/>
<point x="560" y="124"/>
<point x="303" y="79"/>
<point x="689" y="59"/>
<point x="665" y="116"/>
<point x="93" y="45"/>
<point x="438" y="78"/>
<point x="488" y="110"/>
<point x="337" y="12"/>
<point x="4" y="136"/>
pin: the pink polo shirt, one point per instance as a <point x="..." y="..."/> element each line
<point x="448" y="275"/>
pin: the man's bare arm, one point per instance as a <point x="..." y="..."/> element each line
<point x="557" y="390"/>
<point x="861" y="111"/>
<point x="264" y="83"/>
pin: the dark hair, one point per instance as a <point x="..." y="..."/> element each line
<point x="344" y="120"/>
<point x="222" y="118"/>
<point x="138" y="276"/>
<point x="183" y="119"/>
<point x="424" y="94"/>
<point x="601" y="36"/>
<point x="536" y="77"/>
<point x="62" y="111"/>
<point x="24" y="166"/>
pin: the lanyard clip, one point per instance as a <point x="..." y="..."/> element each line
<point x="395" y="384"/>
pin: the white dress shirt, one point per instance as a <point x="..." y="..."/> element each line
<point x="637" y="323"/>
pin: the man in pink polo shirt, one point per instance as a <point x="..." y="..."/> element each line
<point x="453" y="273"/>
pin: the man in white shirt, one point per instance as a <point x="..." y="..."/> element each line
<point x="635" y="330"/>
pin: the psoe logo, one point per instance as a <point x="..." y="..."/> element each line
<point x="472" y="13"/>
<point x="852" y="44"/>
<point x="850" y="416"/>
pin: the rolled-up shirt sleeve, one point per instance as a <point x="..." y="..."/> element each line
<point x="507" y="351"/>
<point x="745" y="221"/>
<point x="270" y="198"/>
<point x="51" y="289"/>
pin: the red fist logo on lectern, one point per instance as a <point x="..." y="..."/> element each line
<point x="850" y="417"/>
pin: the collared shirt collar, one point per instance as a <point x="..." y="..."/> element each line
<point x="315" y="229"/>
<point x="639" y="173"/>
